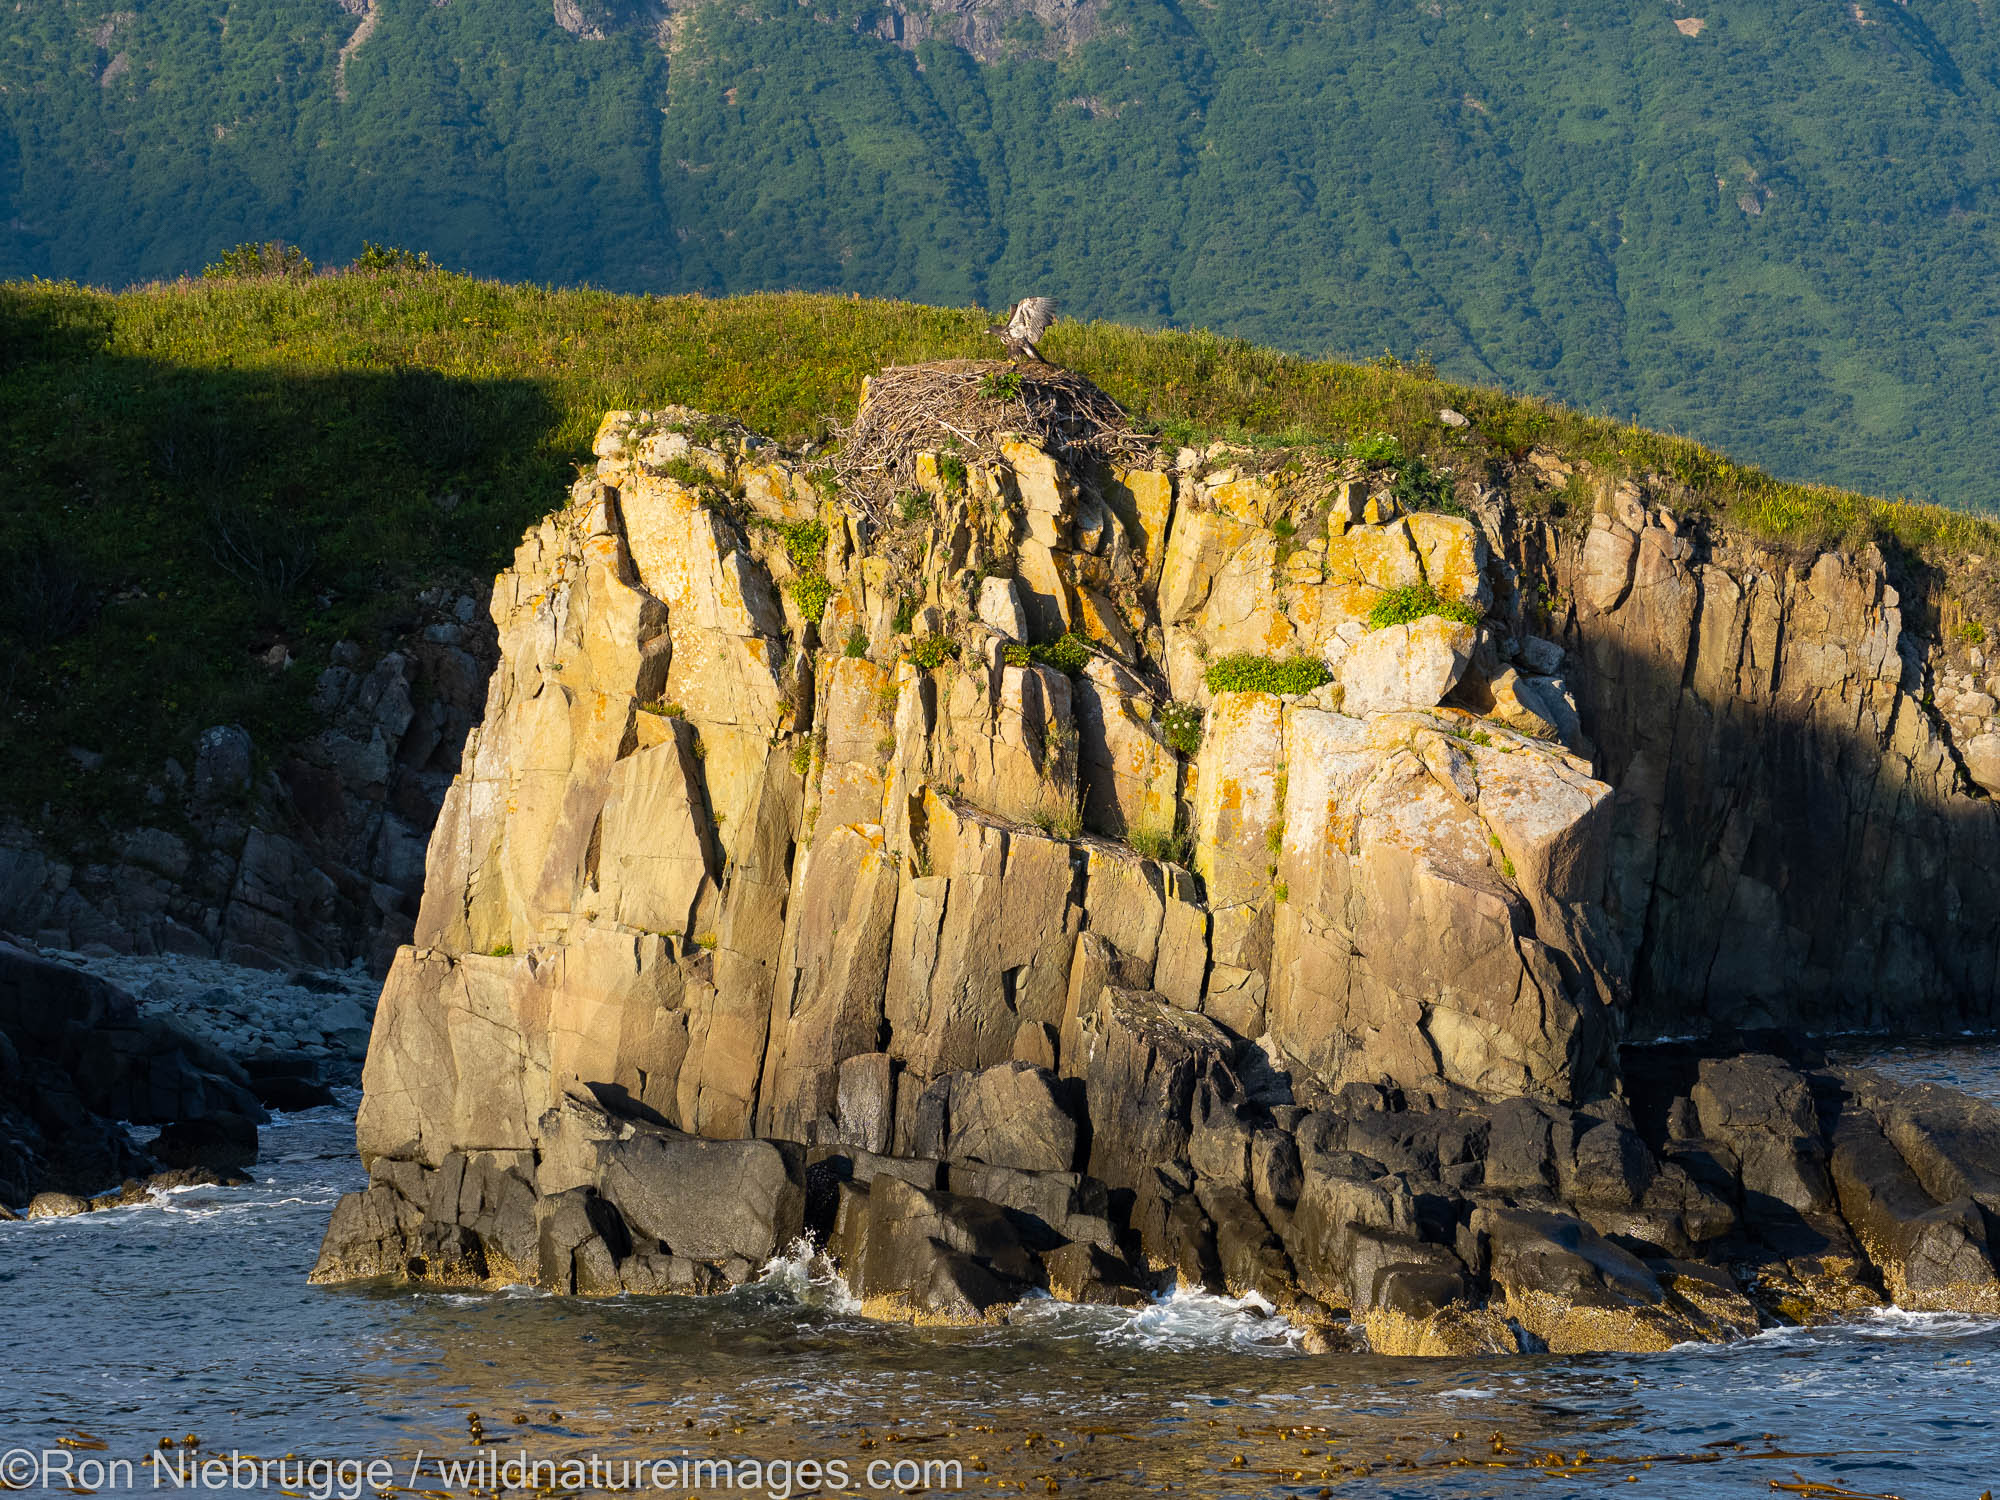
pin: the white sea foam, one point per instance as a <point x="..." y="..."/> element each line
<point x="801" y="1272"/>
<point x="1179" y="1320"/>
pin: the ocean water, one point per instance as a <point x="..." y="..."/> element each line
<point x="191" y="1318"/>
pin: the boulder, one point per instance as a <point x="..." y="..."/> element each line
<point x="1932" y="1256"/>
<point x="1405" y="666"/>
<point x="1000" y="608"/>
<point x="1763" y="1110"/>
<point x="712" y="1201"/>
<point x="931" y="1257"/>
<point x="1012" y="1115"/>
<point x="1573" y="1289"/>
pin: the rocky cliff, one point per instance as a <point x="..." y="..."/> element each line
<point x="1028" y="858"/>
<point x="306" y="854"/>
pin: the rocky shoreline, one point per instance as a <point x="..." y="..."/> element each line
<point x="315" y="1021"/>
<point x="1765" y="1194"/>
<point x="1032" y="868"/>
<point x="95" y="1048"/>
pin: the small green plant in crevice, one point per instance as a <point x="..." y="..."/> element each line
<point x="500" y="950"/>
<point x="857" y="644"/>
<point x="913" y="505"/>
<point x="802" y="757"/>
<point x="254" y="260"/>
<point x="1244" y="673"/>
<point x="932" y="652"/>
<point x="1376" y="448"/>
<point x="805" y="545"/>
<point x="1972" y="633"/>
<point x="805" y="541"/>
<point x="885" y="745"/>
<point x="1180" y="727"/>
<point x="1068" y="653"/>
<point x="1000" y="385"/>
<point x="664" y="710"/>
<point x="1282" y="891"/>
<point x="709" y="492"/>
<point x="1155" y="842"/>
<point x="1058" y="821"/>
<point x="811" y="591"/>
<point x="1059" y="742"/>
<point x="1017" y="655"/>
<point x="1481" y="737"/>
<point x="1287" y="532"/>
<point x="906" y="614"/>
<point x="1420" y="487"/>
<point x="1416" y="600"/>
<point x="951" y="469"/>
<point x="705" y="940"/>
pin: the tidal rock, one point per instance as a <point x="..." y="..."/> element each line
<point x="57" y="1206"/>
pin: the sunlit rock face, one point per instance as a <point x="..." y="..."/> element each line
<point x="1097" y="875"/>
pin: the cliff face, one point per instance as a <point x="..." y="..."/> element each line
<point x="1065" y="871"/>
<point x="1801" y="832"/>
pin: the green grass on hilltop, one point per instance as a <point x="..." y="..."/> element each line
<point x="199" y="470"/>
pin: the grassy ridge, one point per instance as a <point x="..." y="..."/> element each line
<point x="201" y="470"/>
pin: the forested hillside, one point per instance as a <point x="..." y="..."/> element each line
<point x="1769" y="226"/>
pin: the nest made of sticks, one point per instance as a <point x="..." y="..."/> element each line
<point x="961" y="406"/>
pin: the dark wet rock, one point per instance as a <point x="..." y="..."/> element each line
<point x="288" y="1083"/>
<point x="1090" y="1273"/>
<point x="77" y="1058"/>
<point x="580" y="1241"/>
<point x="1276" y="1178"/>
<point x="218" y="1140"/>
<point x="1143" y="1060"/>
<point x="1219" y="1137"/>
<point x="1571" y="1288"/>
<point x="708" y="1200"/>
<point x="369" y="1236"/>
<point x="1175" y="1236"/>
<point x="934" y="1257"/>
<point x="1249" y="1256"/>
<point x="1065" y="1205"/>
<point x="1764" y="1112"/>
<point x="1951" y="1142"/>
<point x="1931" y="1255"/>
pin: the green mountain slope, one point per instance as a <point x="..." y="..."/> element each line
<point x="1772" y="230"/>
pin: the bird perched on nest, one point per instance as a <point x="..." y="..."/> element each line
<point x="1029" y="320"/>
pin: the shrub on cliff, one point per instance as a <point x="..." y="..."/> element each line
<point x="1243" y="673"/>
<point x="1413" y="602"/>
<point x="252" y="260"/>
<point x="1069" y="653"/>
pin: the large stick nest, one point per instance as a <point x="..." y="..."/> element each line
<point x="951" y="406"/>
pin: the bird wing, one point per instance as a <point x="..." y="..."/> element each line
<point x="1032" y="316"/>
